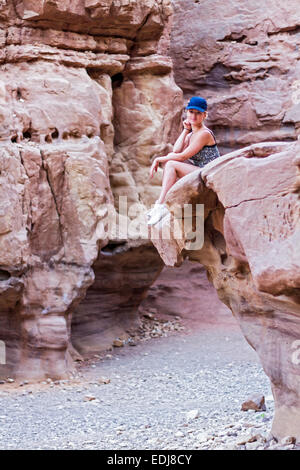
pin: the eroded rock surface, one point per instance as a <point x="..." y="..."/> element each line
<point x="243" y="57"/>
<point x="251" y="253"/>
<point x="109" y="310"/>
<point x="87" y="98"/>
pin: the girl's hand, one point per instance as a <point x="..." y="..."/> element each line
<point x="154" y="166"/>
<point x="187" y="125"/>
<point x="159" y="160"/>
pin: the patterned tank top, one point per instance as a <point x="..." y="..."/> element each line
<point x="207" y="154"/>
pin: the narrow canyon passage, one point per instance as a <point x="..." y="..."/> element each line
<point x="152" y="387"/>
<point x="91" y="93"/>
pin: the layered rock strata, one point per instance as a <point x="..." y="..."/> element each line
<point x="87" y="98"/>
<point x="250" y="250"/>
<point x="243" y="56"/>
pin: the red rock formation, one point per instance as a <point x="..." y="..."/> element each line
<point x="186" y="292"/>
<point x="251" y="253"/>
<point x="87" y="98"/>
<point x="243" y="57"/>
<point x="86" y="92"/>
<point x="109" y="310"/>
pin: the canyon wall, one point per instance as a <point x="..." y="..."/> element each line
<point x="243" y="57"/>
<point x="87" y="98"/>
<point x="250" y="250"/>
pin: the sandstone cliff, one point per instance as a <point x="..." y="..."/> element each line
<point x="243" y="56"/>
<point x="87" y="97"/>
<point x="250" y="249"/>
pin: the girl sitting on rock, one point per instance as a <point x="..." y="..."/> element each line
<point x="195" y="147"/>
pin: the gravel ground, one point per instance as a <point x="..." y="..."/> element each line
<point x="144" y="405"/>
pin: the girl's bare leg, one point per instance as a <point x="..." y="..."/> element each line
<point x="172" y="170"/>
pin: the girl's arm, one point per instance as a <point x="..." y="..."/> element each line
<point x="193" y="148"/>
<point x="181" y="141"/>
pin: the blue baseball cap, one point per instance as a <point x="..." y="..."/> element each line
<point x="197" y="102"/>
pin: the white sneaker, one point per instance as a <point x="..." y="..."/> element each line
<point x="158" y="212"/>
<point x="149" y="212"/>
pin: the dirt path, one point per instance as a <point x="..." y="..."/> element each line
<point x="152" y="387"/>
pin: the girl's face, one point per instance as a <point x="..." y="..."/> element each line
<point x="195" y="116"/>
